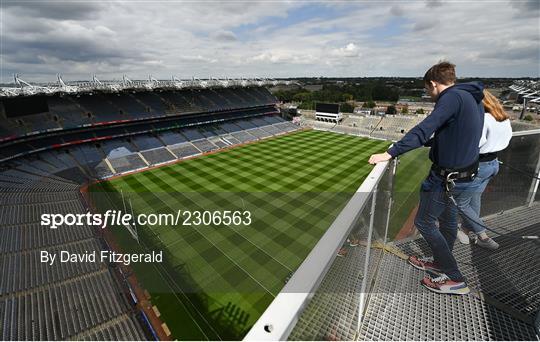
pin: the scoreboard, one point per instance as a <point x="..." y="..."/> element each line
<point x="328" y="112"/>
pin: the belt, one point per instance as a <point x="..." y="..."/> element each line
<point x="485" y="157"/>
<point x="460" y="174"/>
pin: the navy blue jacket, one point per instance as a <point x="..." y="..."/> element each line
<point x="457" y="121"/>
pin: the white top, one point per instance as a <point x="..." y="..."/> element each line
<point x="495" y="135"/>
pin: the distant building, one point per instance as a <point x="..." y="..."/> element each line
<point x="362" y="111"/>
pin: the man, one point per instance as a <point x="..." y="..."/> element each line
<point x="456" y="126"/>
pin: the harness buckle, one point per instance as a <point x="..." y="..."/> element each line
<point x="449" y="183"/>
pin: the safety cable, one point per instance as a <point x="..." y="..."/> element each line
<point x="377" y="125"/>
<point x="520" y="171"/>
<point x="449" y="186"/>
<point x="523" y="237"/>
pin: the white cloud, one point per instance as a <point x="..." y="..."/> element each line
<point x="350" y="50"/>
<point x="249" y="39"/>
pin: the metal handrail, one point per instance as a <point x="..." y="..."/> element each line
<point x="280" y="317"/>
<point x="526" y="132"/>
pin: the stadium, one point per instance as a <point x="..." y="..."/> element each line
<point x="277" y="199"/>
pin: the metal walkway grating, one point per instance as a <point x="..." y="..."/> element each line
<point x="506" y="294"/>
<point x="511" y="274"/>
<point x="401" y="310"/>
<point x="502" y="306"/>
<point x="332" y="314"/>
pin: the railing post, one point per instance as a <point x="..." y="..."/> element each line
<point x="534" y="184"/>
<point x="392" y="170"/>
<point x="366" y="261"/>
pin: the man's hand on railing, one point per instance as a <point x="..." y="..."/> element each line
<point x="380" y="157"/>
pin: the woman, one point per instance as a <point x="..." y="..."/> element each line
<point x="496" y="136"/>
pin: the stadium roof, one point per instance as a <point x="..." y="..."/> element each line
<point x="23" y="88"/>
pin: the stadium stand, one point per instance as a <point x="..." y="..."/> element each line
<point x="130" y="106"/>
<point x="204" y="145"/>
<point x="50" y="302"/>
<point x="230" y="127"/>
<point x="129" y="162"/>
<point x="154" y="105"/>
<point x="46" y="157"/>
<point x="259" y="133"/>
<point x="230" y="140"/>
<point x="184" y="150"/>
<point x="243" y="136"/>
<point x="69" y="113"/>
<point x="389" y="127"/>
<point x="158" y="155"/>
<point x="116" y="148"/>
<point x="100" y="108"/>
<point x="146" y="142"/>
<point x="220" y="100"/>
<point x="219" y="142"/>
<point x="192" y="134"/>
<point x="171" y="137"/>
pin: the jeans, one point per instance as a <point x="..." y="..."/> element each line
<point x="435" y="206"/>
<point x="470" y="207"/>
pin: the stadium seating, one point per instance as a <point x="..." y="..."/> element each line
<point x="130" y="106"/>
<point x="192" y="134"/>
<point x="230" y="127"/>
<point x="179" y="103"/>
<point x="146" y="142"/>
<point x="230" y="140"/>
<point x="158" y="156"/>
<point x="220" y="100"/>
<point x="204" y="145"/>
<point x="71" y="111"/>
<point x="259" y="133"/>
<point x="219" y="142"/>
<point x="127" y="163"/>
<point x="171" y="137"/>
<point x="68" y="113"/>
<point x="153" y="104"/>
<point x="183" y="150"/>
<point x="42" y="173"/>
<point x="389" y="127"/>
<point x="243" y="136"/>
<point x="100" y="108"/>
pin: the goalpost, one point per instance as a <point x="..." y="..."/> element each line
<point x="131" y="229"/>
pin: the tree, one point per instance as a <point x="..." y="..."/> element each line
<point x="346" y="107"/>
<point x="420" y="111"/>
<point x="369" y="104"/>
<point x="346" y="97"/>
<point x="302" y="97"/>
<point x="391" y="110"/>
<point x="405" y="110"/>
<point x="307" y="105"/>
<point x="528" y="117"/>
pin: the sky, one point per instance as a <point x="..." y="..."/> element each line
<point x="275" y="39"/>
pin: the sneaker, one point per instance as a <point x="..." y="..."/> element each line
<point x="463" y="237"/>
<point x="488" y="243"/>
<point x="424" y="264"/>
<point x="354" y="242"/>
<point x="443" y="284"/>
<point x="342" y="252"/>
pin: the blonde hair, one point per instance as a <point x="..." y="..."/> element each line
<point x="494" y="107"/>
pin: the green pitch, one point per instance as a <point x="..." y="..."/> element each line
<point x="216" y="281"/>
<point x="412" y="169"/>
